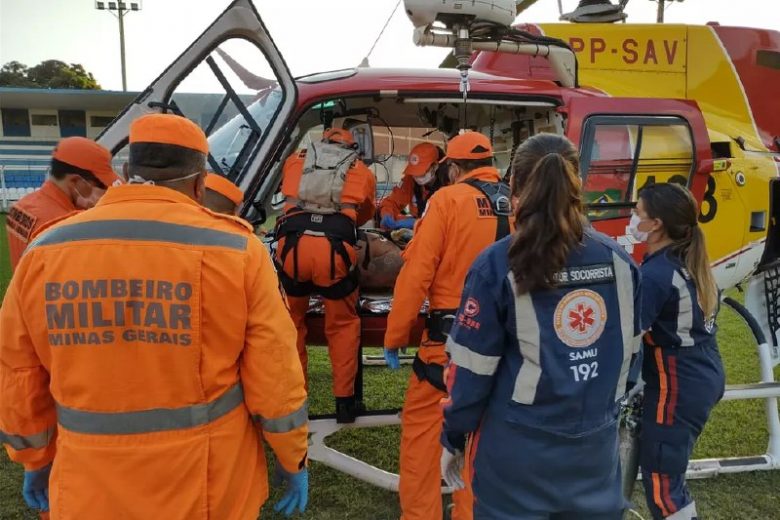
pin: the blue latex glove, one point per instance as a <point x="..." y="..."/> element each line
<point x="297" y="495"/>
<point x="35" y="488"/>
<point x="391" y="358"/>
<point x="388" y="222"/>
<point x="407" y="223"/>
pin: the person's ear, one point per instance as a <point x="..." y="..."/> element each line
<point x="656" y="225"/>
<point x="200" y="187"/>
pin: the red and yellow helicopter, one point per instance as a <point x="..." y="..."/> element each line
<point x="696" y="105"/>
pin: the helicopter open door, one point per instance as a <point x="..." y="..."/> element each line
<point x="233" y="82"/>
<point x="628" y="143"/>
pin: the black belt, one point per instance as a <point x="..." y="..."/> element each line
<point x="431" y="372"/>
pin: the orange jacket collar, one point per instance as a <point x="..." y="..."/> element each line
<point x="135" y="192"/>
<point x="55" y="192"/>
<point x="486" y="173"/>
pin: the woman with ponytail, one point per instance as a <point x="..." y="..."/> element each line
<point x="540" y="352"/>
<point x="682" y="368"/>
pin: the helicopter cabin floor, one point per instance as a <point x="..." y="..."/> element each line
<point x="737" y="428"/>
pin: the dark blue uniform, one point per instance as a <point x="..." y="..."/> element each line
<point x="684" y="379"/>
<point x="536" y="377"/>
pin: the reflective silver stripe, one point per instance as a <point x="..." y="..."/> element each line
<point x="625" y="294"/>
<point x="146" y="421"/>
<point x="287" y="423"/>
<point x="23" y="442"/>
<point x="464" y="357"/>
<point x="686" y="513"/>
<point x="685" y="314"/>
<point x="141" y="230"/>
<point x="528" y="335"/>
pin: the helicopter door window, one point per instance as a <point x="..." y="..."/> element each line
<point x="622" y="154"/>
<point x="233" y="95"/>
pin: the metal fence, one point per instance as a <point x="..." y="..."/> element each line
<point x="16" y="181"/>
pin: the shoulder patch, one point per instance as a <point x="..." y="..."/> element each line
<point x="20" y="223"/>
<point x="484" y="208"/>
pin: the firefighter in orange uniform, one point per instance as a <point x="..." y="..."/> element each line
<point x="419" y="182"/>
<point x="222" y="196"/>
<point x="329" y="193"/>
<point x="80" y="173"/>
<point x="145" y="349"/>
<point x="459" y="222"/>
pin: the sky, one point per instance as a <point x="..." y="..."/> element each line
<point x="312" y="35"/>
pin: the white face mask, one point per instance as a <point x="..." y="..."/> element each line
<point x="88" y="200"/>
<point x="633" y="228"/>
<point x="422" y="180"/>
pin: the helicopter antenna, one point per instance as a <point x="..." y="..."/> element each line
<point x="364" y="63"/>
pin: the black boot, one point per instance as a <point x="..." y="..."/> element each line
<point x="347" y="409"/>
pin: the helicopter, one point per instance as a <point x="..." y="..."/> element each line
<point x="512" y="82"/>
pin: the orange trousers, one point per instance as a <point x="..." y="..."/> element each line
<point x="342" y="323"/>
<point x="420" y="486"/>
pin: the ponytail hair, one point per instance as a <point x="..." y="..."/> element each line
<point x="676" y="208"/>
<point x="549" y="218"/>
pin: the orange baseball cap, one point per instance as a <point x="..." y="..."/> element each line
<point x="168" y="129"/>
<point x="469" y="145"/>
<point x="338" y="135"/>
<point x="86" y="154"/>
<point x="224" y="187"/>
<point x="421" y="158"/>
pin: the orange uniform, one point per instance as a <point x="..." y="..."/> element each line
<point x="316" y="255"/>
<point x="149" y="338"/>
<point x="51" y="202"/>
<point x="457" y="226"/>
<point x="31" y="212"/>
<point x="421" y="166"/>
<point x="407" y="194"/>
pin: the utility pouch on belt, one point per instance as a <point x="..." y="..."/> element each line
<point x="439" y="323"/>
<point x="431" y="372"/>
<point x="322" y="182"/>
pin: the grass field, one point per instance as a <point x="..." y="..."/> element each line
<point x="5" y="264"/>
<point x="736" y="428"/>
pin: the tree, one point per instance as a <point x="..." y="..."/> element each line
<point x="47" y="74"/>
<point x="14" y="74"/>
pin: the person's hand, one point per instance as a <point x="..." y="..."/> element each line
<point x="392" y="359"/>
<point x="35" y="488"/>
<point x="452" y="468"/>
<point x="388" y="222"/>
<point x="406" y="223"/>
<point x="297" y="494"/>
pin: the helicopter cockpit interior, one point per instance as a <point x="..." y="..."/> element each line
<point x="387" y="128"/>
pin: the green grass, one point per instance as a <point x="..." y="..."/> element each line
<point x="5" y="261"/>
<point x="736" y="428"/>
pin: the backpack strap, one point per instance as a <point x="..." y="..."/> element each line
<point x="499" y="196"/>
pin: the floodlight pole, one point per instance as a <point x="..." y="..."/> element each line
<point x="122" y="46"/>
<point x="122" y="7"/>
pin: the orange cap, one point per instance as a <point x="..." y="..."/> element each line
<point x="224" y="187"/>
<point x="469" y="145"/>
<point x="168" y="129"/>
<point x="86" y="154"/>
<point x="421" y="158"/>
<point x="338" y="135"/>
